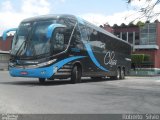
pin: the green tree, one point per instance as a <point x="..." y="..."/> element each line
<point x="140" y="24"/>
<point x="140" y="60"/>
<point x="148" y="10"/>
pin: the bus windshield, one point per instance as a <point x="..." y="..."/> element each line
<point x="30" y="39"/>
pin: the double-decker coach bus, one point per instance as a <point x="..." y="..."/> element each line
<point x="63" y="46"/>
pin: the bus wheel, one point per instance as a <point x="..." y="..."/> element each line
<point x="118" y="75"/>
<point x="42" y="80"/>
<point x="76" y="74"/>
<point x="122" y="74"/>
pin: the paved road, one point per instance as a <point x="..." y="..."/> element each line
<point x="132" y="95"/>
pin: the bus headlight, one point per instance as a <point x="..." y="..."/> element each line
<point x="46" y="63"/>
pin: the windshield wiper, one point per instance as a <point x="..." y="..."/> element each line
<point x="20" y="48"/>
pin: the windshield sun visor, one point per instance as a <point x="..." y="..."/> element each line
<point x="51" y="29"/>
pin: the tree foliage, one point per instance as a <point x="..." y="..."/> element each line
<point x="140" y="24"/>
<point x="148" y="10"/>
<point x="140" y="59"/>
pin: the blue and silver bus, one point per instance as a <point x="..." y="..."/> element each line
<point x="66" y="46"/>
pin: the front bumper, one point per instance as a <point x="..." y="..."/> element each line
<point x="42" y="72"/>
<point x="45" y="72"/>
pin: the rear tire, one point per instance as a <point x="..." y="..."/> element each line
<point x="118" y="75"/>
<point x="76" y="74"/>
<point x="122" y="74"/>
<point x="42" y="80"/>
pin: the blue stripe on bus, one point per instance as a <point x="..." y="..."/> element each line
<point x="90" y="52"/>
<point x="4" y="36"/>
<point x="51" y="29"/>
<point x="65" y="61"/>
<point x="80" y="20"/>
<point x="45" y="72"/>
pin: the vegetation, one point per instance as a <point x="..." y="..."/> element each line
<point x="140" y="24"/>
<point x="148" y="10"/>
<point x="140" y="60"/>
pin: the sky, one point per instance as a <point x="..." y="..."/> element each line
<point x="98" y="12"/>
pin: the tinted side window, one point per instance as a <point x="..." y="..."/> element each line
<point x="83" y="31"/>
<point x="76" y="39"/>
<point x="96" y="41"/>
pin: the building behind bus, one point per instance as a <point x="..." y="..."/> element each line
<point x="145" y="39"/>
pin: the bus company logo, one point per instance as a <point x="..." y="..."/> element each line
<point x="109" y="58"/>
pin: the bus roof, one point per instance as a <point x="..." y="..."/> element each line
<point x="80" y="20"/>
<point x="46" y="17"/>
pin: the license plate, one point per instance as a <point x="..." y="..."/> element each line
<point x="24" y="73"/>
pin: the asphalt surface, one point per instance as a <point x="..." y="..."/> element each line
<point x="132" y="95"/>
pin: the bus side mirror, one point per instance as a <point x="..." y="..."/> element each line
<point x="4" y="36"/>
<point x="51" y="28"/>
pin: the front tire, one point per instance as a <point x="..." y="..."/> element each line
<point x="42" y="80"/>
<point x="76" y="74"/>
